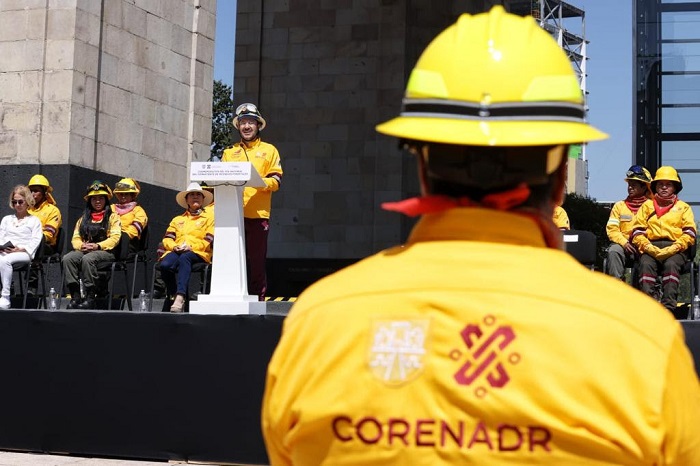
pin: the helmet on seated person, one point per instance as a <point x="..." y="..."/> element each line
<point x="667" y="173"/>
<point x="127" y="185"/>
<point x="98" y="188"/>
<point x="43" y="182"/>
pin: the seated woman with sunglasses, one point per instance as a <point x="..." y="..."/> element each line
<point x="95" y="236"/>
<point x="20" y="235"/>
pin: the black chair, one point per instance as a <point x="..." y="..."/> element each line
<point x="582" y="245"/>
<point x="630" y="263"/>
<point x="202" y="268"/>
<point x="691" y="267"/>
<point x="24" y="270"/>
<point x="46" y="265"/>
<point x="119" y="264"/>
<point x="140" y="257"/>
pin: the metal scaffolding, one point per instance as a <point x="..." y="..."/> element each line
<point x="567" y="24"/>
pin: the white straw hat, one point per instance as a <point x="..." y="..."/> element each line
<point x="193" y="188"/>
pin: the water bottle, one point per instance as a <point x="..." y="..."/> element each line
<point x="143" y="301"/>
<point x="696" y="307"/>
<point x="53" y="299"/>
<point x="82" y="289"/>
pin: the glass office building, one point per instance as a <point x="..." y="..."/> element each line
<point x="667" y="84"/>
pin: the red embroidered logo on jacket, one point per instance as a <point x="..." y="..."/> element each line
<point x="487" y="353"/>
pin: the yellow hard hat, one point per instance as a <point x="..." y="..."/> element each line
<point x="98" y="188"/>
<point x="41" y="180"/>
<point x="667" y="173"/>
<point x="493" y="79"/>
<point x="127" y="185"/>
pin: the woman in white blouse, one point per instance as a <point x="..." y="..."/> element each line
<point x="24" y="233"/>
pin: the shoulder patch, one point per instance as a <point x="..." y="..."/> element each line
<point x="397" y="350"/>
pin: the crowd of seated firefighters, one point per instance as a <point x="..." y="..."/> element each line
<point x="188" y="240"/>
<point x="653" y="228"/>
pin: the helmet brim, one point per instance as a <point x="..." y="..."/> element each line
<point x="491" y="133"/>
<point x="98" y="193"/>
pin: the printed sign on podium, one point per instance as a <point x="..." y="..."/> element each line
<point x="229" y="282"/>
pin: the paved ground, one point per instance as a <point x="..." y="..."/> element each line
<point x="32" y="459"/>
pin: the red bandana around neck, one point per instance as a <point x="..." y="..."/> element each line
<point x="98" y="216"/>
<point x="634" y="203"/>
<point x="503" y="201"/>
<point x="433" y="204"/>
<point x="663" y="205"/>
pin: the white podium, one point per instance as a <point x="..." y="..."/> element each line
<point x="229" y="282"/>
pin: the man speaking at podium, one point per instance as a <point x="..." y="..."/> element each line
<point x="257" y="202"/>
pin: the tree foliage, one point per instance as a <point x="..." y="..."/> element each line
<point x="222" y="131"/>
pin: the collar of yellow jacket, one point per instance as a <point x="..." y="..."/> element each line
<point x="477" y="224"/>
<point x="250" y="145"/>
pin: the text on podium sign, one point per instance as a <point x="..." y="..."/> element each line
<point x="220" y="171"/>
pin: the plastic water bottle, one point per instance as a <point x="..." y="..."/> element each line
<point x="53" y="299"/>
<point x="143" y="301"/>
<point x="696" y="307"/>
<point x="82" y="289"/>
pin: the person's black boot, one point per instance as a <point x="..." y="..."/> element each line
<point x="75" y="299"/>
<point x="90" y="301"/>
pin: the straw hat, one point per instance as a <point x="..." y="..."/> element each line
<point x="193" y="188"/>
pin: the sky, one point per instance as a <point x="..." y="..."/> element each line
<point x="608" y="28"/>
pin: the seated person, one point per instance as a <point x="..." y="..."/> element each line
<point x="561" y="218"/>
<point x="23" y="231"/>
<point x="619" y="224"/>
<point x="131" y="214"/>
<point x="95" y="236"/>
<point x="188" y="240"/>
<point x="46" y="211"/>
<point x="663" y="230"/>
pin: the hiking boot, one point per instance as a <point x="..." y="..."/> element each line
<point x="74" y="303"/>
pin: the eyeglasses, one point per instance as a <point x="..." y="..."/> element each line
<point x="17" y="202"/>
<point x="246" y="108"/>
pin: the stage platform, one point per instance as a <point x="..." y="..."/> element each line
<point x="143" y="386"/>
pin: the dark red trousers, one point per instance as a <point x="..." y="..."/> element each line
<point x="256" y="230"/>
